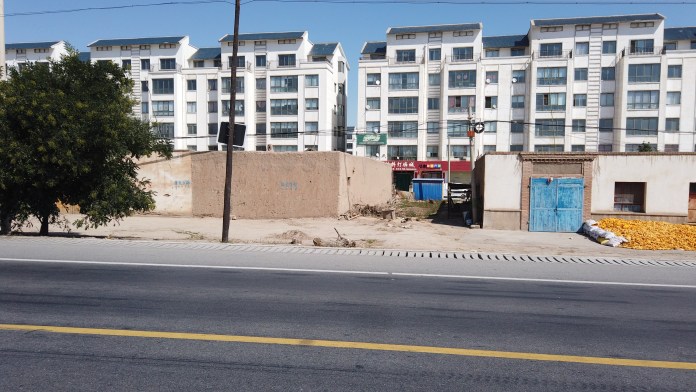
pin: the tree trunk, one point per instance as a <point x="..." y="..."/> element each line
<point x="5" y="224"/>
<point x="44" y="225"/>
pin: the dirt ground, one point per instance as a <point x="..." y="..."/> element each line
<point x="436" y="233"/>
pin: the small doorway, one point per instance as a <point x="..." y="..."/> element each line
<point x="692" y="203"/>
<point x="556" y="204"/>
<point x="402" y="180"/>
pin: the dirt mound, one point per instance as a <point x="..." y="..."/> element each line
<point x="296" y="235"/>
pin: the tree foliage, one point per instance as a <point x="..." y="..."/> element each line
<point x="68" y="134"/>
<point x="645" y="147"/>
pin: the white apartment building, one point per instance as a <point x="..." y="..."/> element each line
<point x="605" y="83"/>
<point x="19" y="54"/>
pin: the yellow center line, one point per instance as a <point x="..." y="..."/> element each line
<point x="354" y="345"/>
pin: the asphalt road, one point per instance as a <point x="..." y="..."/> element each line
<point x="593" y="320"/>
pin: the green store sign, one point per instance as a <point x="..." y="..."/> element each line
<point x="372" y="138"/>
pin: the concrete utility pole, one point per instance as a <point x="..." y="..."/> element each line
<point x="3" y="71"/>
<point x="472" y="148"/>
<point x="227" y="209"/>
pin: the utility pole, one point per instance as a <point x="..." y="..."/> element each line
<point x="227" y="209"/>
<point x="3" y="71"/>
<point x="472" y="141"/>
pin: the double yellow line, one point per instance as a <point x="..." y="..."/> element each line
<point x="353" y="345"/>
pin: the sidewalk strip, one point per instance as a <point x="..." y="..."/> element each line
<point x="354" y="345"/>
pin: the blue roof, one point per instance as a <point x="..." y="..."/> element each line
<point x="85" y="57"/>
<point x="677" y="33"/>
<point x="434" y="29"/>
<point x="32" y="45"/>
<point x="264" y="36"/>
<point x="137" y="41"/>
<point x="207" y="54"/>
<point x="596" y="19"/>
<point x="325" y="49"/>
<point x="506" y="41"/>
<point x="375" y="48"/>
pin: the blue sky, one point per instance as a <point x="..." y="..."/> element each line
<point x="350" y="24"/>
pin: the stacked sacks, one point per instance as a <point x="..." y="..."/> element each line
<point x="604" y="237"/>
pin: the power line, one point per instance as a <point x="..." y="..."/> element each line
<point x="114" y="7"/>
<point x="481" y="2"/>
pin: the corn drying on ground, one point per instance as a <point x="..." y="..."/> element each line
<point x="650" y="235"/>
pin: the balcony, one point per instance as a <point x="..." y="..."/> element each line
<point x="552" y="54"/>
<point x="648" y="51"/>
<point x="463" y="58"/>
<point x="406" y="61"/>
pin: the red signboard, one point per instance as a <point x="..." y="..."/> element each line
<point x="421" y="166"/>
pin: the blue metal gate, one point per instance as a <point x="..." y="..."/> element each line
<point x="556" y="204"/>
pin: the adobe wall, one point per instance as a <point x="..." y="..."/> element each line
<point x="171" y="181"/>
<point x="363" y="181"/>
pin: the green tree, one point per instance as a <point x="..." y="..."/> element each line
<point x="68" y="134"/>
<point x="645" y="147"/>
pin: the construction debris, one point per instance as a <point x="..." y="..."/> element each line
<point x="341" y="242"/>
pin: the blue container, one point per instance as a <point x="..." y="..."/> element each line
<point x="427" y="188"/>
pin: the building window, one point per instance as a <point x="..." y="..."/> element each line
<point x="372" y="151"/>
<point x="638" y="100"/>
<point x="518" y="76"/>
<point x="459" y="152"/>
<point x="459" y="79"/>
<point x="402" y="153"/>
<point x="674" y="71"/>
<point x="579" y="125"/>
<point x="126" y="65"/>
<point x="461" y="103"/>
<point x="198" y="63"/>
<point x="261" y="129"/>
<point x="462" y="54"/>
<point x="261" y="84"/>
<point x="165" y="130"/>
<point x="551" y="50"/>
<point x="163" y="108"/>
<point x="312" y="104"/>
<point x="577" y="148"/>
<point x="582" y="27"/>
<point x="672" y="125"/>
<point x="629" y="196"/>
<point x="145" y="107"/>
<point x="608" y="73"/>
<point x="642" y="46"/>
<point x="550" y="102"/>
<point x="227" y="83"/>
<point x="548" y="148"/>
<point x="167" y="64"/>
<point x="582" y="48"/>
<point x="284" y="84"/>
<point x="283" y="130"/>
<point x="99" y="49"/>
<point x="286" y="60"/>
<point x="671" y="148"/>
<point x="551" y="29"/>
<point x="644" y="73"/>
<point x="490" y="127"/>
<point x="670" y="46"/>
<point x="434" y="79"/>
<point x="406" y="56"/>
<point x="403" y="81"/>
<point x="311" y="127"/>
<point x="517" y="52"/>
<point x="433" y="127"/>
<point x="403" y="129"/>
<point x="549" y="128"/>
<point x="492" y="53"/>
<point x="261" y="60"/>
<point x="580" y="100"/>
<point x="191" y="107"/>
<point x="163" y="86"/>
<point x="260" y="106"/>
<point x="434" y="54"/>
<point x="516" y="148"/>
<point x="457" y="128"/>
<point x="285" y="148"/>
<point x="606" y="125"/>
<point x="551" y="76"/>
<point x="374" y="79"/>
<point x="283" y="107"/>
<point x="641" y="126"/>
<point x="191" y="129"/>
<point x="580" y="74"/>
<point x="492" y="77"/>
<point x="467" y="33"/>
<point x="373" y="104"/>
<point x="145" y="64"/>
<point x="491" y="102"/>
<point x="286" y="41"/>
<point x="610" y="26"/>
<point x="191" y="85"/>
<point x="609" y="47"/>
<point x="435" y="35"/>
<point x="673" y="98"/>
<point x="212" y="84"/>
<point x="405" y="36"/>
<point x="641" y="25"/>
<point x="144" y="86"/>
<point x="217" y="63"/>
<point x="212" y="107"/>
<point x="167" y="46"/>
<point x="517" y="127"/>
<point x="605" y="148"/>
<point x="403" y="105"/>
<point x="212" y="128"/>
<point x="488" y="148"/>
<point x="432" y="151"/>
<point x="311" y="80"/>
<point x="606" y="99"/>
<point x="517" y="102"/>
<point x="433" y="103"/>
<point x="373" y="126"/>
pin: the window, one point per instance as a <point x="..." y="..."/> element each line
<point x="145" y="64"/>
<point x="432" y="151"/>
<point x="609" y="47"/>
<point x="284" y="148"/>
<point x="283" y="107"/>
<point x="551" y="29"/>
<point x="491" y="103"/>
<point x="198" y="63"/>
<point x="516" y="148"/>
<point x="99" y="49"/>
<point x="373" y="79"/>
<point x="311" y="127"/>
<point x="550" y="102"/>
<point x="167" y="46"/>
<point x="145" y="107"/>
<point x="163" y="86"/>
<point x="548" y="148"/>
<point x="373" y="104"/>
<point x="517" y="101"/>
<point x="642" y="46"/>
<point x="435" y="35"/>
<point x="580" y="100"/>
<point x="191" y="129"/>
<point x="462" y="54"/>
<point x="283" y="130"/>
<point x="671" y="148"/>
<point x="312" y="104"/>
<point x="261" y="129"/>
<point x="433" y="127"/>
<point x="551" y="76"/>
<point x="518" y="76"/>
<point x="551" y="50"/>
<point x="517" y="127"/>
<point x="488" y="148"/>
<point x="492" y="77"/>
<point x="191" y="107"/>
<point x="580" y="74"/>
<point x="212" y="107"/>
<point x="632" y="147"/>
<point x="403" y="81"/>
<point x="629" y="196"/>
<point x="163" y="108"/>
<point x="373" y="126"/>
<point x="461" y="103"/>
<point x="610" y="26"/>
<point x="459" y="79"/>
<point x="549" y="128"/>
<point x="284" y="84"/>
<point x="640" y="25"/>
<point x="693" y="45"/>
<point x="674" y="71"/>
<point x="517" y="52"/>
<point x="260" y="106"/>
<point x="641" y="126"/>
<point x="286" y="41"/>
<point x="434" y="54"/>
<point x="144" y="86"/>
<point x="459" y="152"/>
<point x="492" y="53"/>
<point x="402" y="153"/>
<point x="672" y="125"/>
<point x="582" y="48"/>
<point x="579" y="125"/>
<point x="191" y="85"/>
<point x="643" y="73"/>
<point x="606" y="99"/>
<point x="577" y="148"/>
<point x="372" y="151"/>
<point x="261" y="60"/>
<point x="212" y="128"/>
<point x="608" y="73"/>
<point x="403" y="105"/>
<point x="670" y="46"/>
<point x="643" y="100"/>
<point x="165" y="130"/>
<point x="43" y="50"/>
<point x="312" y="80"/>
<point x="238" y="107"/>
<point x="462" y="33"/>
<point x="217" y="63"/>
<point x="405" y="36"/>
<point x="582" y="27"/>
<point x="673" y="98"/>
<point x="261" y="83"/>
<point x="286" y="60"/>
<point x="457" y="128"/>
<point x="434" y="79"/>
<point x="433" y="103"/>
<point x="606" y="125"/>
<point x="605" y="148"/>
<point x="126" y="64"/>
<point x="405" y="129"/>
<point x="406" y="56"/>
<point x="212" y="84"/>
<point x="491" y="127"/>
<point x="167" y="63"/>
<point x="227" y="83"/>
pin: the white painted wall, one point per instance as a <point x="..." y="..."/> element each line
<point x="503" y="180"/>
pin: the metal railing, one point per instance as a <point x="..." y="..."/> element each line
<point x="552" y="55"/>
<point x="402" y="61"/>
<point x="463" y="58"/>
<point x="650" y="51"/>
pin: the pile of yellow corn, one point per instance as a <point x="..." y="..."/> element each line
<point x="650" y="235"/>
